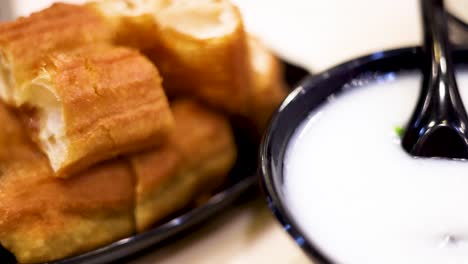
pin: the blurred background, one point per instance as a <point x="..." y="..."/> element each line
<point x="315" y="34"/>
<point x="312" y="33"/>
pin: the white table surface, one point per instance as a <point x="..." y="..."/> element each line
<point x="315" y="34"/>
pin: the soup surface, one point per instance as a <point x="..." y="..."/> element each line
<point x="359" y="197"/>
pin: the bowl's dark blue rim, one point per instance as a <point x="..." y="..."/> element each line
<point x="271" y="173"/>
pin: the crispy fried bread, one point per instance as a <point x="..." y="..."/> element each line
<point x="269" y="88"/>
<point x="93" y="103"/>
<point x="43" y="218"/>
<point x="25" y="41"/>
<point x="200" y="47"/>
<point x="195" y="161"/>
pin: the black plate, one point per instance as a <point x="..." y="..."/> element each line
<point x="241" y="179"/>
<point x="309" y="95"/>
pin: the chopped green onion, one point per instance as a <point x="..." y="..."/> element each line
<point x="399" y="131"/>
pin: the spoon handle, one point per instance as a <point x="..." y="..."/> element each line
<point x="438" y="127"/>
<point x="439" y="72"/>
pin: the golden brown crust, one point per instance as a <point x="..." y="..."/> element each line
<point x="215" y="71"/>
<point x="269" y="88"/>
<point x="196" y="160"/>
<point x="211" y="65"/>
<point x="205" y="142"/>
<point x="132" y="21"/>
<point x="43" y="218"/>
<point x="11" y="135"/>
<point x="25" y="41"/>
<point x="160" y="190"/>
<point x="111" y="101"/>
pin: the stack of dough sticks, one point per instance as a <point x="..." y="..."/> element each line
<point x="116" y="115"/>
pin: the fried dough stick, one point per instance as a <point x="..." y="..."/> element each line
<point x="195" y="161"/>
<point x="133" y="21"/>
<point x="25" y="41"/>
<point x="200" y="47"/>
<point x="43" y="218"/>
<point x="94" y="103"/>
<point x="269" y="88"/>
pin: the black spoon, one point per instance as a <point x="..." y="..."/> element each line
<point x="438" y="127"/>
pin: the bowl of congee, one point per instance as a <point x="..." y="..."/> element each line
<point x="337" y="178"/>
